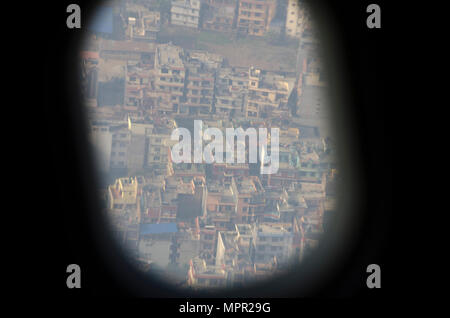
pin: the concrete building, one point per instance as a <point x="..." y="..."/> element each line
<point x="121" y="140"/>
<point x="155" y="241"/>
<point x="142" y="23"/>
<point x="185" y="13"/>
<point x="250" y="199"/>
<point x="254" y="16"/>
<point x="202" y="275"/>
<point x="159" y="145"/>
<point x="208" y="239"/>
<point x="298" y="18"/>
<point x="220" y="15"/>
<point x="123" y="201"/>
<point x="137" y="81"/>
<point x="313" y="101"/>
<point x="231" y="91"/>
<point x="268" y="94"/>
<point x="170" y="76"/>
<point x="273" y="240"/>
<point x="230" y="254"/>
<point x="199" y="90"/>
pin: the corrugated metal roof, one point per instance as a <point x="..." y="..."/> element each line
<point x="158" y="228"/>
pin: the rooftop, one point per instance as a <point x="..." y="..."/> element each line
<point x="169" y="55"/>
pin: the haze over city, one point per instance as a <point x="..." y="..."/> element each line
<point x="151" y="67"/>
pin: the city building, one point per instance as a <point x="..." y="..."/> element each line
<point x="185" y="13"/>
<point x="273" y="241"/>
<point x="170" y="76"/>
<point x="220" y="15"/>
<point x="268" y="94"/>
<point x="254" y="16"/>
<point x="142" y="23"/>
<point x="250" y="197"/>
<point x="200" y="81"/>
<point x="231" y="91"/>
<point x="203" y="275"/>
<point x="137" y="80"/>
<point x="298" y="18"/>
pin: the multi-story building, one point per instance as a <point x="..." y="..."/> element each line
<point x="142" y="24"/>
<point x="254" y="16"/>
<point x="137" y="80"/>
<point x="220" y="198"/>
<point x="123" y="196"/>
<point x="170" y="75"/>
<point x="185" y="13"/>
<point x="231" y="91"/>
<point x="297" y="18"/>
<point x="230" y="254"/>
<point x="202" y="275"/>
<point x="208" y="239"/>
<point x="158" y="150"/>
<point x="313" y="100"/>
<point x="199" y="90"/>
<point x="272" y="240"/>
<point x="220" y="15"/>
<point x="121" y="139"/>
<point x="155" y="241"/>
<point x="268" y="93"/>
<point x="250" y="199"/>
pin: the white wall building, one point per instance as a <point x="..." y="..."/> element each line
<point x="295" y="19"/>
<point x="185" y="13"/>
<point x="273" y="240"/>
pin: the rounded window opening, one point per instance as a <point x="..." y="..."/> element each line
<point x="211" y="124"/>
